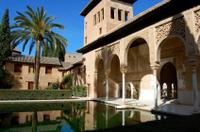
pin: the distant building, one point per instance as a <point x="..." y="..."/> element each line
<point x="51" y="69"/>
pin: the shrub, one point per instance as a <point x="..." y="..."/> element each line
<point x="7" y="80"/>
<point x="55" y="85"/>
<point x="34" y="94"/>
<point x="66" y="82"/>
<point x="80" y="91"/>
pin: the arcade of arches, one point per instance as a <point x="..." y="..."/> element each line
<point x="173" y="73"/>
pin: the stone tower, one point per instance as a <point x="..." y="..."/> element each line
<point x="101" y="16"/>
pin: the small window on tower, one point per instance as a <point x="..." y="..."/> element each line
<point x="98" y="16"/>
<point x="112" y="13"/>
<point x="95" y="19"/>
<point x="126" y="15"/>
<point x="100" y="31"/>
<point x="102" y="14"/>
<point x="85" y="40"/>
<point x="119" y="15"/>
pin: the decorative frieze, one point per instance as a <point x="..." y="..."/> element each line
<point x="174" y="27"/>
<point x="197" y="21"/>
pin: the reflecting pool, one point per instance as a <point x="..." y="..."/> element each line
<point x="67" y="117"/>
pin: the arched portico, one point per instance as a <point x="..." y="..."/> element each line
<point x="115" y="76"/>
<point x="171" y="55"/>
<point x="139" y="72"/>
<point x="100" y="79"/>
<point x="168" y="81"/>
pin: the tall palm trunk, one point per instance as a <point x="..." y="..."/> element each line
<point x="37" y="64"/>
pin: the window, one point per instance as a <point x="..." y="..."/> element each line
<point x="119" y="15"/>
<point x="102" y="14"/>
<point x="85" y="40"/>
<point x="18" y="68"/>
<point x="95" y="19"/>
<point x="126" y="15"/>
<point x="48" y="70"/>
<point x="31" y="69"/>
<point x="98" y="14"/>
<point x="112" y="13"/>
<point x="100" y="30"/>
<point x="46" y="117"/>
<point x="30" y="85"/>
<point x="49" y="84"/>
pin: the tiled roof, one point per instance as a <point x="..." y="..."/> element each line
<point x="71" y="59"/>
<point x="30" y="59"/>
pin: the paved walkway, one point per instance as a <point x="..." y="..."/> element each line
<point x="170" y="107"/>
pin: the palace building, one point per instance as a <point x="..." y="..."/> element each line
<point x="150" y="57"/>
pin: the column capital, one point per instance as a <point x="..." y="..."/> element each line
<point x="123" y="68"/>
<point x="193" y="60"/>
<point x="155" y="66"/>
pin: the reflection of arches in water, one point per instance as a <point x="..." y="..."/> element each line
<point x="168" y="81"/>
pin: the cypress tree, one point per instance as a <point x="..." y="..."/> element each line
<point x="5" y="38"/>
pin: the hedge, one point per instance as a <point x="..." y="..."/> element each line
<point x="80" y="91"/>
<point x="34" y="94"/>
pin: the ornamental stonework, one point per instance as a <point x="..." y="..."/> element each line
<point x="114" y="49"/>
<point x="98" y="54"/>
<point x="197" y="21"/>
<point x="174" y="27"/>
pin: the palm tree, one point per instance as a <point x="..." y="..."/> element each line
<point x="58" y="51"/>
<point x="35" y="28"/>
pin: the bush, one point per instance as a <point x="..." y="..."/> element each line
<point x="80" y="91"/>
<point x="66" y="82"/>
<point x="7" y="80"/>
<point x="55" y="85"/>
<point x="34" y="94"/>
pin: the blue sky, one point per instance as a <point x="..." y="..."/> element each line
<point x="67" y="13"/>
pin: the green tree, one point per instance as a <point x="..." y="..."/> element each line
<point x="5" y="38"/>
<point x="35" y="28"/>
<point x="58" y="52"/>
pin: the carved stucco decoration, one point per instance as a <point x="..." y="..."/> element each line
<point x="114" y="49"/>
<point x="98" y="55"/>
<point x="197" y="21"/>
<point x="175" y="27"/>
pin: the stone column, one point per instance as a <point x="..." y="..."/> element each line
<point x="195" y="97"/>
<point x="154" y="84"/>
<point x="123" y="71"/>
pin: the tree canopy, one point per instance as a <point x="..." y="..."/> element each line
<point x="35" y="27"/>
<point x="5" y="38"/>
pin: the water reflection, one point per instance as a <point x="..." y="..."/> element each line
<point x="74" y="117"/>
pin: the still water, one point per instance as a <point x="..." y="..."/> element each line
<point x="67" y="117"/>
